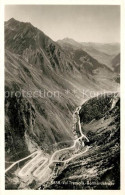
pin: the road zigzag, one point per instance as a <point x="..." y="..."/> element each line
<point x="35" y="165"/>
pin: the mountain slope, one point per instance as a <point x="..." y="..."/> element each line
<point x="44" y="83"/>
<point x="116" y="63"/>
<point x="34" y="62"/>
<point x="98" y="168"/>
<point x="101" y="52"/>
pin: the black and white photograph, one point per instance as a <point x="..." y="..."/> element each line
<point x="62" y="97"/>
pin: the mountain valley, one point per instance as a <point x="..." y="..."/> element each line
<point x="61" y="99"/>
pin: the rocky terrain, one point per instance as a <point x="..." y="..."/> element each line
<point x="44" y="84"/>
<point x="98" y="168"/>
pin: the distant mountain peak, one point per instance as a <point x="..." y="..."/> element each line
<point x="11" y="20"/>
<point x="67" y="39"/>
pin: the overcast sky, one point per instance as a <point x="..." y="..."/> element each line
<point x="92" y="23"/>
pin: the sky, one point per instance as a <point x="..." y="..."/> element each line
<point x="83" y="23"/>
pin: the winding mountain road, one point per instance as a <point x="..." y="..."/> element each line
<point x="36" y="152"/>
<point x="39" y="164"/>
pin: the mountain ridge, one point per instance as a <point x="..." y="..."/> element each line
<point x="34" y="63"/>
<point x="103" y="52"/>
